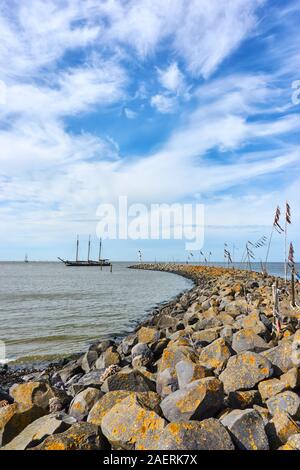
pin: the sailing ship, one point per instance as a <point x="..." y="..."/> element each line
<point x="89" y="262"/>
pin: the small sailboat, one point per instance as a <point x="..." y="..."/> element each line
<point x="26" y="259"/>
<point x="89" y="262"/>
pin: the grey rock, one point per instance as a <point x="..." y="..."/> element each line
<point x="80" y="436"/>
<point x="198" y="400"/>
<point x="141" y="355"/>
<point x="93" y="379"/>
<point x="247" y="429"/>
<point x="247" y="340"/>
<point x="131" y="380"/>
<point x="166" y="382"/>
<point x="280" y="357"/>
<point x="101" y="346"/>
<point x="244" y="371"/>
<point x="33" y="434"/>
<point x="288" y="402"/>
<point x="83" y="403"/>
<point x="208" y="434"/>
<point x="65" y="374"/>
<point x="89" y="360"/>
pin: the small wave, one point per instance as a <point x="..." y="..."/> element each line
<point x="47" y="339"/>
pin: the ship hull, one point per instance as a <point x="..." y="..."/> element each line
<point x="85" y="264"/>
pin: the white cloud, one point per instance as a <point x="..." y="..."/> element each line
<point x="210" y="31"/>
<point x="203" y="32"/>
<point x="129" y="113"/>
<point x="36" y="34"/>
<point x="74" y="91"/>
<point x="164" y="104"/>
<point x="171" y="78"/>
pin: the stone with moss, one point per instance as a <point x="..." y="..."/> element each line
<point x="150" y="399"/>
<point x="130" y="424"/>
<point x="247" y="429"/>
<point x="208" y="434"/>
<point x="80" y="436"/>
<point x="83" y="402"/>
<point x="244" y="371"/>
<point x="198" y="400"/>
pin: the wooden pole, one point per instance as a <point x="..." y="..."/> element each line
<point x="276" y="307"/>
<point x="111" y="268"/>
<point x="250" y="266"/>
<point x="293" y="287"/>
<point x="285" y="251"/>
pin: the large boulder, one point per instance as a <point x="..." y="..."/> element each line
<point x="178" y="351"/>
<point x="280" y="428"/>
<point x="67" y="372"/>
<point x="83" y="403"/>
<point x="32" y="393"/>
<point x="253" y="322"/>
<point x="127" y="343"/>
<point x="247" y="429"/>
<point x="89" y="360"/>
<point x="158" y="347"/>
<point x="293" y="443"/>
<point x="271" y="387"/>
<point x="244" y="371"/>
<point x="188" y="371"/>
<point x="131" y="425"/>
<point x="208" y="434"/>
<point x="247" y="340"/>
<point x="198" y="400"/>
<point x="91" y="379"/>
<point x="38" y="430"/>
<point x="101" y="346"/>
<point x="291" y="379"/>
<point x="80" y="436"/>
<point x="215" y="355"/>
<point x="131" y="380"/>
<point x="13" y="420"/>
<point x="166" y="321"/>
<point x="244" y="399"/>
<point x="206" y="336"/>
<point x="150" y="399"/>
<point x="108" y="358"/>
<point x="148" y="335"/>
<point x="280" y="357"/>
<point x="141" y="355"/>
<point x="288" y="401"/>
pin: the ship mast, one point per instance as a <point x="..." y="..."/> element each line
<point x="100" y="248"/>
<point x="77" y="247"/>
<point x="89" y="249"/>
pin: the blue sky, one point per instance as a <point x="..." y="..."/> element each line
<point x="163" y="101"/>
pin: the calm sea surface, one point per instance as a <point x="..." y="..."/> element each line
<point x="49" y="311"/>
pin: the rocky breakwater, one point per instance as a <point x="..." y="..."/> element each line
<point x="206" y="371"/>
